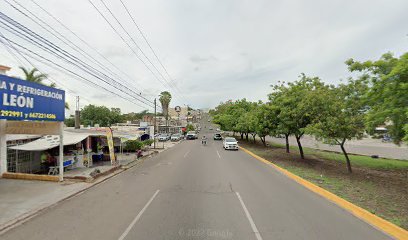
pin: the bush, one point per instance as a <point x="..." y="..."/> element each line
<point x="148" y="142"/>
<point x="133" y="145"/>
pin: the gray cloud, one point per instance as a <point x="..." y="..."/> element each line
<point x="220" y="50"/>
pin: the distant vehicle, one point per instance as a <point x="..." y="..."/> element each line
<point x="210" y="128"/>
<point x="164" y="137"/>
<point x="217" y="136"/>
<point x="191" y="135"/>
<point x="218" y="129"/>
<point x="208" y="120"/>
<point x="175" y="137"/>
<point x="230" y="143"/>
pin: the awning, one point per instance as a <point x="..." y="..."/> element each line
<point x="16" y="137"/>
<point x="51" y="141"/>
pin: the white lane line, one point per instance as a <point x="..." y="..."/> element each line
<point x="253" y="226"/>
<point x="125" y="233"/>
<point x="185" y="155"/>
<point x="219" y="156"/>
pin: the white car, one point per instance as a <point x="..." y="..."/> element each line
<point x="164" y="137"/>
<point x="175" y="137"/>
<point x="230" y="143"/>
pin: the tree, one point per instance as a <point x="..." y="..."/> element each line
<point x="266" y="121"/>
<point x="165" y="98"/>
<point x="295" y="114"/>
<point x="70" y="122"/>
<point x="341" y="117"/>
<point x="32" y="76"/>
<point x="91" y="115"/>
<point x="386" y="97"/>
<point x="190" y="127"/>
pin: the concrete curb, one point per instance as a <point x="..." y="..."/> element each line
<point x="375" y="221"/>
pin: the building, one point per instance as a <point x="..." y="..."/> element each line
<point x="4" y="69"/>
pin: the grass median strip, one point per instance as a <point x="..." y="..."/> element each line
<point x="380" y="189"/>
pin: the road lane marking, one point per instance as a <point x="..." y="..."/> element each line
<point x="375" y="221"/>
<point x="125" y="233"/>
<point x="248" y="215"/>
<point x="185" y="155"/>
<point x="219" y="156"/>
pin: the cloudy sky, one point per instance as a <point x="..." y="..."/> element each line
<point x="213" y="50"/>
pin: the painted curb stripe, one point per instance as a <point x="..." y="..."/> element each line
<point x="380" y="223"/>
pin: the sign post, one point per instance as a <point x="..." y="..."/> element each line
<point x="30" y="108"/>
<point x="3" y="147"/>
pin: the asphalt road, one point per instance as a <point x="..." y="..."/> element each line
<point x="196" y="192"/>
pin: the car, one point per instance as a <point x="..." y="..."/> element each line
<point x="191" y="135"/>
<point x="230" y="143"/>
<point x="210" y="128"/>
<point x="164" y="137"/>
<point x="218" y="129"/>
<point x="175" y="137"/>
<point x="217" y="136"/>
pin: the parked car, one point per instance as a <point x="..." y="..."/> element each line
<point x="191" y="135"/>
<point x="164" y="137"/>
<point x="175" y="137"/>
<point x="217" y="136"/>
<point x="230" y="143"/>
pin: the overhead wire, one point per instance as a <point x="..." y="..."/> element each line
<point x="60" y="51"/>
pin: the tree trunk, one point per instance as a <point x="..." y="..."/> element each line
<point x="302" y="156"/>
<point x="263" y="140"/>
<point x="246" y="136"/>
<point x="242" y="136"/>
<point x="346" y="155"/>
<point x="254" y="138"/>
<point x="287" y="142"/>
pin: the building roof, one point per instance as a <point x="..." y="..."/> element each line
<point x="4" y="68"/>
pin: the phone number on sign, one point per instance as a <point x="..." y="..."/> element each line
<point x="6" y="113"/>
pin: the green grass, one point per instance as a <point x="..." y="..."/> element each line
<point x="356" y="160"/>
<point x="362" y="161"/>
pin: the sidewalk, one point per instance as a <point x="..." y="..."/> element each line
<point x="22" y="199"/>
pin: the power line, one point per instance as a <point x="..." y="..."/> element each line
<point x="88" y="82"/>
<point x="83" y="41"/>
<point x="116" y="31"/>
<point x="60" y="51"/>
<point x="74" y="58"/>
<point x="151" y="48"/>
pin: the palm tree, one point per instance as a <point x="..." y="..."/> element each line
<point x="165" y="98"/>
<point x="31" y="76"/>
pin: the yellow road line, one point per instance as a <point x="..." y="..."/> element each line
<point x="357" y="211"/>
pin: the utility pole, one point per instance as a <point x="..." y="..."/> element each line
<point x="154" y="126"/>
<point x="77" y="114"/>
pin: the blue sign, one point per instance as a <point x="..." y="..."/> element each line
<point x="24" y="100"/>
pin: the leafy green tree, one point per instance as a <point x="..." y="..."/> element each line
<point x="70" y="122"/>
<point x="266" y="121"/>
<point x="165" y="98"/>
<point x="91" y="115"/>
<point x="190" y="127"/>
<point x="386" y="97"/>
<point x="35" y="76"/>
<point x="341" y="116"/>
<point x="295" y="114"/>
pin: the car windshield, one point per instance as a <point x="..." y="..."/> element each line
<point x="231" y="140"/>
